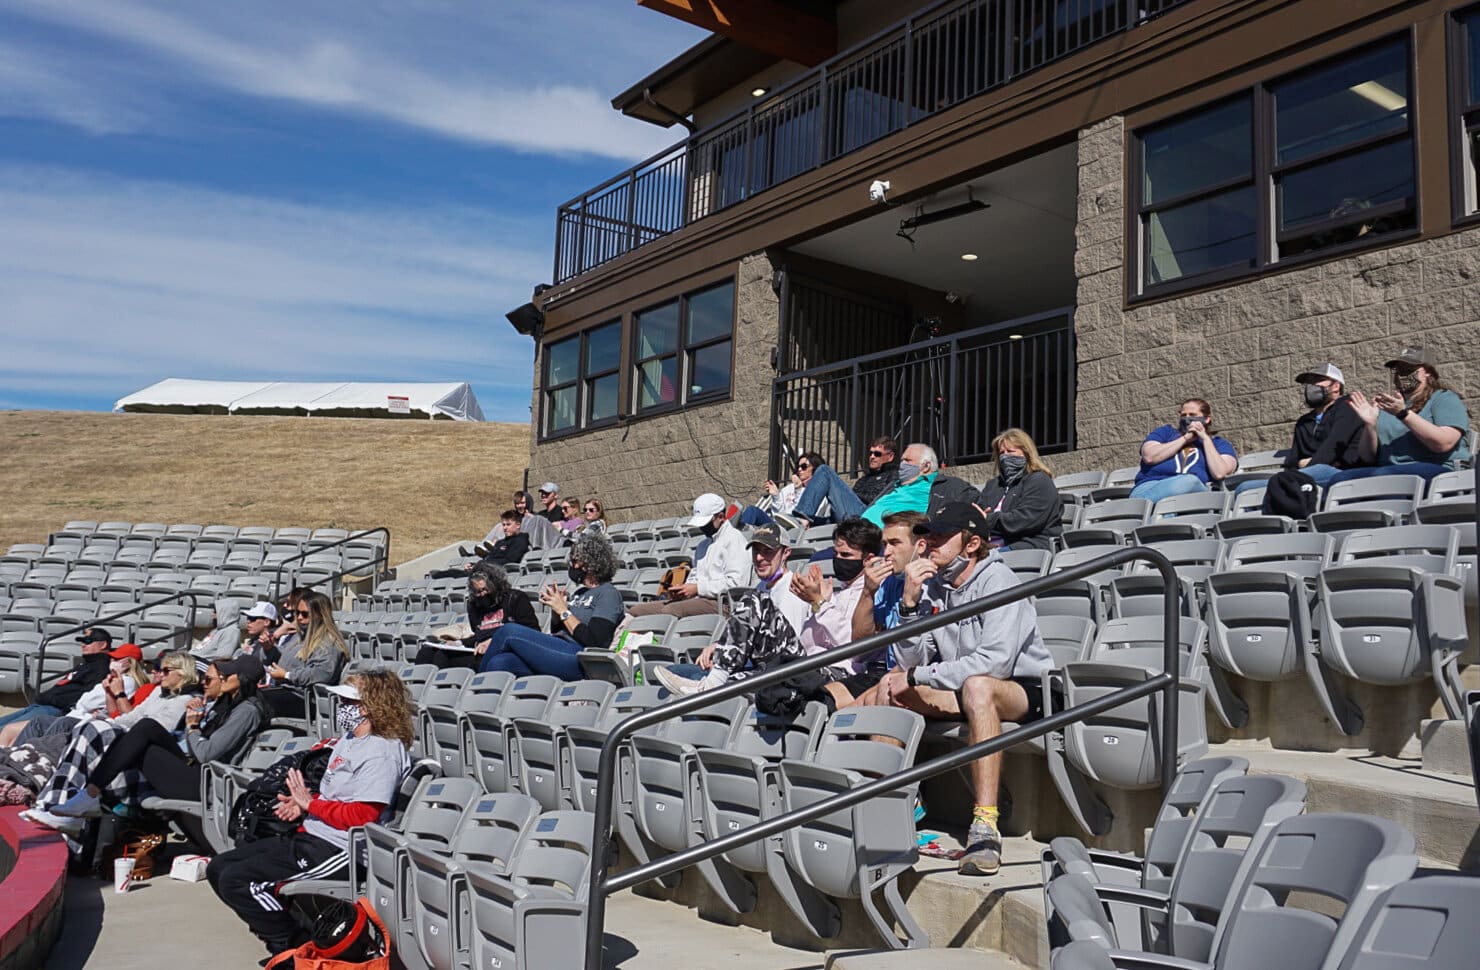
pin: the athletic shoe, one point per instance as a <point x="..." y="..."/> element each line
<point x="65" y="825"/>
<point x="983" y="850"/>
<point x="81" y="805"/>
<point x="677" y="686"/>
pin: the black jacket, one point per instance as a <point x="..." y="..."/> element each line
<point x="871" y="485"/>
<point x="1031" y="512"/>
<point x="90" y="671"/>
<point x="517" y="609"/>
<point x="1334" y="440"/>
<point x="508" y="551"/>
<point x="945" y="490"/>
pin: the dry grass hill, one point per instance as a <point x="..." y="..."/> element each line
<point x="430" y="482"/>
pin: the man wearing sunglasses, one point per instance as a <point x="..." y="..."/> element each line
<point x="883" y="470"/>
<point x="91" y="670"/>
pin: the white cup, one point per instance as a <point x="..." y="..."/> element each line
<point x="123" y="875"/>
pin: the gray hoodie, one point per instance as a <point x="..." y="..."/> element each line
<point x="1001" y="643"/>
<point x="226" y="639"/>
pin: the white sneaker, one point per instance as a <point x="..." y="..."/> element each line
<point x="677" y="686"/>
<point x="65" y="825"/>
<point x="80" y="805"/>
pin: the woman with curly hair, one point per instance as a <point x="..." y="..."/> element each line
<point x="492" y="602"/>
<point x="359" y="787"/>
<point x="586" y="620"/>
<point x="315" y="657"/>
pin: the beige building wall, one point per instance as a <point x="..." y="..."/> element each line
<point x="1241" y="346"/>
<point x="653" y="467"/>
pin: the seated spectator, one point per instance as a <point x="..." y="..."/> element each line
<point x="521" y="502"/>
<point x="595" y="514"/>
<point x="491" y="603"/>
<point x="359" y="787"/>
<point x="126" y="679"/>
<point x="819" y="483"/>
<point x="1421" y="429"/>
<point x="508" y="549"/>
<point x="758" y="636"/>
<point x="217" y="733"/>
<point x="316" y="656"/>
<point x="586" y="620"/>
<point x="571" y="521"/>
<point x="550" y="508"/>
<point x="720" y="564"/>
<point x="986" y="669"/>
<point x="784" y="498"/>
<point x="769" y="552"/>
<point x="91" y="670"/>
<point x="1185" y="458"/>
<point x="90" y="739"/>
<point x="1023" y="506"/>
<point x="922" y="487"/>
<point x="226" y="639"/>
<point x="883" y="470"/>
<point x="883" y="576"/>
<point x="1328" y="437"/>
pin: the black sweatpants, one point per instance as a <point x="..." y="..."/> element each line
<point x="442" y="659"/>
<point x="247" y="879"/>
<point x="152" y="751"/>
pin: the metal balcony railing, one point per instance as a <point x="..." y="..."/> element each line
<point x="922" y="65"/>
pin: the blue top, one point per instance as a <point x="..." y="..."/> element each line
<point x="886" y="607"/>
<point x="1396" y="445"/>
<point x="1188" y="461"/>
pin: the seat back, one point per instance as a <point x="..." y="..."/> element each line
<point x="1432" y="548"/>
<point x="1304" y="553"/>
<point x="1123" y="747"/>
<point x="1424" y="923"/>
<point x="1066" y="637"/>
<point x="1138" y="640"/>
<point x="1351" y="859"/>
<point x="1168" y="838"/>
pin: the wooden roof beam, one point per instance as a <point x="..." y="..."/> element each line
<point x="771" y="26"/>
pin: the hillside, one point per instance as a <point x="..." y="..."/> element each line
<point x="430" y="482"/>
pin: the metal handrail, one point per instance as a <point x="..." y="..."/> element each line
<point x="194" y="595"/>
<point x="382" y="559"/>
<point x="1167" y="682"/>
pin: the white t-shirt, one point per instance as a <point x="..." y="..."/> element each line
<point x="95" y="701"/>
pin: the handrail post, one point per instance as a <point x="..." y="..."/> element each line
<point x="1168" y="682"/>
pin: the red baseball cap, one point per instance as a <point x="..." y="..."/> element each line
<point x="127" y="651"/>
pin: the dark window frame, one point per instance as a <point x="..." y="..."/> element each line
<point x="1464" y="117"/>
<point x="682" y="353"/>
<point x="581" y="382"/>
<point x="1268" y="201"/>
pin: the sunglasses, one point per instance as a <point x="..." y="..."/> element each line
<point x="803" y="466"/>
<point x="591" y="508"/>
<point x="876" y="453"/>
<point x="301" y="613"/>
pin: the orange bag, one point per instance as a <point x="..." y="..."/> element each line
<point x="310" y="957"/>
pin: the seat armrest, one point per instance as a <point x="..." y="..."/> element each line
<point x="1133" y="896"/>
<point x="177" y="805"/>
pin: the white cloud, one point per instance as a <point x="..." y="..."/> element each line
<point x="112" y="284"/>
<point x="527" y="77"/>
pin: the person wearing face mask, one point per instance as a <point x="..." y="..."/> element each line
<point x="369" y="761"/>
<point x="584" y="620"/>
<point x="1024" y="508"/>
<point x="985" y="669"/>
<point x="758" y="636"/>
<point x="217" y="732"/>
<point x="720" y="564"/>
<point x="1328" y="437"/>
<point x="922" y="487"/>
<point x="491" y="603"/>
<point x="1184" y="458"/>
<point x="91" y="670"/>
<point x="1421" y="428"/>
<point x="127" y="683"/>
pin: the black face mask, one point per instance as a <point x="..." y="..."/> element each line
<point x="847" y="570"/>
<point x="1186" y="423"/>
<point x="1011" y="467"/>
<point x="1316" y="395"/>
<point x="577" y="574"/>
<point x="709" y="530"/>
<point x="1407" y="383"/>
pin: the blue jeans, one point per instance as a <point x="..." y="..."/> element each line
<point x="1320" y="474"/>
<point x="688" y="671"/>
<point x="522" y="651"/>
<point x="825" y="484"/>
<point x="1160" y="488"/>
<point x="1423" y="469"/>
<point x="27" y="713"/>
<point x="753" y="516"/>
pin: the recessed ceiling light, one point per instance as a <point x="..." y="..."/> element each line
<point x="758" y="92"/>
<point x="1014" y="336"/>
<point x="969" y="257"/>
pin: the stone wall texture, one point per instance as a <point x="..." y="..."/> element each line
<point x="653" y="467"/>
<point x="1241" y="346"/>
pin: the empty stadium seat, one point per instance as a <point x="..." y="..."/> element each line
<point x="535" y="741"/>
<point x="1368" y="503"/>
<point x="486" y="736"/>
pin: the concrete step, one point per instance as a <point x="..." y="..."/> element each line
<point x="1446" y="748"/>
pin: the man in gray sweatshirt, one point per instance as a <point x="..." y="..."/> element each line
<point x="985" y="669"/>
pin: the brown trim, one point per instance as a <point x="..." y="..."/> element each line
<point x="1457" y="102"/>
<point x="1196" y="52"/>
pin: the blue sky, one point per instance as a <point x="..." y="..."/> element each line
<point x="304" y="190"/>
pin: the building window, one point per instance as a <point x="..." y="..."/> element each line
<point x="1465" y="68"/>
<point x="581" y="378"/>
<point x="684" y="349"/>
<point x="1326" y="153"/>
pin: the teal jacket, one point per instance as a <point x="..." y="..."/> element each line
<point x="914" y="497"/>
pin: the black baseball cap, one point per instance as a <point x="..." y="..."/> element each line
<point x="246" y="666"/>
<point x="96" y="634"/>
<point x="1412" y="357"/>
<point x="955" y="517"/>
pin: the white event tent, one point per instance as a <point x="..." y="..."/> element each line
<point x="176" y="395"/>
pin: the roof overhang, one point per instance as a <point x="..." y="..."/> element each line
<point x="693" y="78"/>
<point x="804" y="31"/>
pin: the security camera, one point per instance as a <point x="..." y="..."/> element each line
<point x="877" y="190"/>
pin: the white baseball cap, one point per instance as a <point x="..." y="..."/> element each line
<point x="1321" y="372"/>
<point x="348" y="691"/>
<point x="549" y="488"/>
<point x="262" y="611"/>
<point x="706" y="507"/>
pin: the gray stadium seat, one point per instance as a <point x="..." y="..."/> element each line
<point x="1028" y="563"/>
<point x="1426" y="922"/>
<point x="486" y="735"/>
<point x="448" y="694"/>
<point x="1190" y="516"/>
<point x="1368" y="503"/>
<point x="535" y="740"/>
<point x="1108" y="522"/>
<point x="1079" y="484"/>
